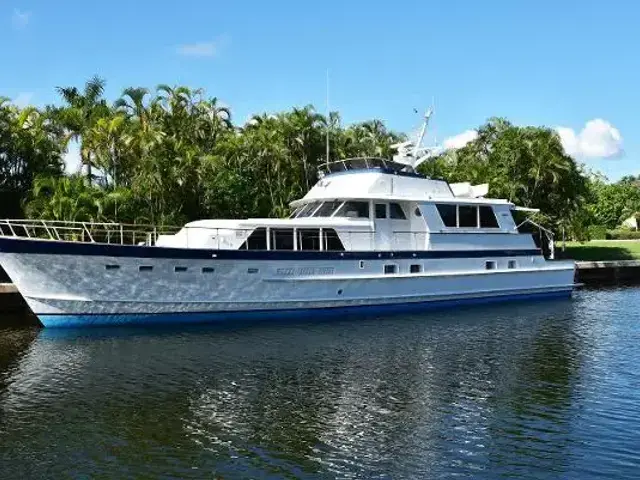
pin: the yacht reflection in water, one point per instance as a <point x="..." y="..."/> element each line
<point x="414" y="396"/>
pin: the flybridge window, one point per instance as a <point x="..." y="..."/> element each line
<point x="395" y="211"/>
<point x="354" y="210"/>
<point x="467" y="216"/>
<point x="307" y="210"/>
<point x="327" y="209"/>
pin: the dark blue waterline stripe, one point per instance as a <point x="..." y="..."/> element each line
<point x="51" y="247"/>
<point x="101" y="320"/>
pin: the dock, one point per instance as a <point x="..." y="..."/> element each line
<point x="608" y="272"/>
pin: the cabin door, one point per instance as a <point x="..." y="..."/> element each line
<point x="382" y="224"/>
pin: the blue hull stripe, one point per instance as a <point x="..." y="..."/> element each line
<point x="53" y="247"/>
<point x="86" y="320"/>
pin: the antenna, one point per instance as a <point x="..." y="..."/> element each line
<point x="328" y="118"/>
<point x="423" y="130"/>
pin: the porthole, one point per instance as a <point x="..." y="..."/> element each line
<point x="415" y="268"/>
<point x="252" y="270"/>
<point x="208" y="269"/>
<point x="340" y="292"/>
<point x="361" y="264"/>
<point x="490" y="265"/>
<point x="390" y="269"/>
<point x="112" y="267"/>
<point x="145" y="268"/>
<point x="179" y="269"/>
<point x="512" y="264"/>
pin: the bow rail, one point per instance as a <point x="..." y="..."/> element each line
<point x="91" y="232"/>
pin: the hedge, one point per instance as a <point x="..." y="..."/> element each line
<point x="623" y="235"/>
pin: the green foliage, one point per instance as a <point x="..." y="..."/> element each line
<point x="622" y="234"/>
<point x="173" y="155"/>
<point x="30" y="144"/>
<point x="597" y="232"/>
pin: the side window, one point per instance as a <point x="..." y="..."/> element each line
<point x="490" y="265"/>
<point x="488" y="217"/>
<point x="354" y="210"/>
<point x="395" y="211"/>
<point x="381" y="210"/>
<point x="307" y="210"/>
<point x="327" y="209"/>
<point x="448" y="214"/>
<point x="282" y="238"/>
<point x="308" y="239"/>
<point x="256" y="241"/>
<point x="332" y="241"/>
<point x="415" y="268"/>
<point x="467" y="216"/>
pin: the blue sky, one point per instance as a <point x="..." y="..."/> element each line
<point x="567" y="64"/>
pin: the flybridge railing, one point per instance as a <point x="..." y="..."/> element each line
<point x="92" y="232"/>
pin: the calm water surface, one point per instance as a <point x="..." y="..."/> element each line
<point x="530" y="390"/>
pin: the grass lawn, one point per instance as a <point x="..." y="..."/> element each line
<point x="600" y="250"/>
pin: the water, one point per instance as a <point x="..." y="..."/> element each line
<point x="529" y="390"/>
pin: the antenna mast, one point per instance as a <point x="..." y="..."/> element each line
<point x="427" y="116"/>
<point x="328" y="117"/>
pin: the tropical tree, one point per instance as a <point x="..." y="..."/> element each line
<point x="82" y="111"/>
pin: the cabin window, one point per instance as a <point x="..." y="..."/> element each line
<point x="354" y="210"/>
<point x="448" y="214"/>
<point x="415" y="268"/>
<point x="488" y="217"/>
<point x="295" y="212"/>
<point x="390" y="269"/>
<point x="256" y="241"/>
<point x="381" y="210"/>
<point x="112" y="267"/>
<point x="332" y="240"/>
<point x="208" y="269"/>
<point x="145" y="268"/>
<point x="490" y="265"/>
<point x="308" y="239"/>
<point x="179" y="269"/>
<point x="308" y="209"/>
<point x="512" y="264"/>
<point x="282" y="238"/>
<point x="327" y="209"/>
<point x="467" y="216"/>
<point x="396" y="212"/>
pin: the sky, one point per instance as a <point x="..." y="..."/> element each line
<point x="570" y="65"/>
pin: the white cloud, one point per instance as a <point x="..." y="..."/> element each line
<point x="598" y="139"/>
<point x="72" y="160"/>
<point x="20" y="19"/>
<point x="203" y="49"/>
<point x="460" y="140"/>
<point x="23" y="99"/>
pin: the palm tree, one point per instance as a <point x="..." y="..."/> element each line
<point x="81" y="113"/>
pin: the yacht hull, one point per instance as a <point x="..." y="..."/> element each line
<point x="70" y="284"/>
